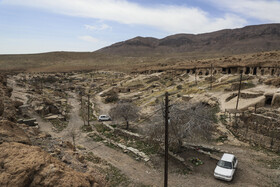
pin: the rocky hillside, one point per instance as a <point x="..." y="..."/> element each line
<point x="244" y="40"/>
<point x="145" y="52"/>
<point x="24" y="164"/>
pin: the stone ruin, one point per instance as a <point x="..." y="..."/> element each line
<point x="248" y="70"/>
<point x="259" y="127"/>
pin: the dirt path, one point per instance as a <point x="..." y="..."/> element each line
<point x="247" y="175"/>
<point x="18" y="93"/>
<point x="75" y="121"/>
<point x="251" y="171"/>
<point x="243" y="103"/>
<point x="135" y="170"/>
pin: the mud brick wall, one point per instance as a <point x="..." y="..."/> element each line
<point x="258" y="129"/>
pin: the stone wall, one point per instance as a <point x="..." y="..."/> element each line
<point x="257" y="129"/>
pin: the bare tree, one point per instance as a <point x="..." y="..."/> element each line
<point x="73" y="134"/>
<point x="124" y="111"/>
<point x="191" y="122"/>
<point x="83" y="110"/>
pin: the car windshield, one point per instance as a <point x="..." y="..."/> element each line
<point x="225" y="164"/>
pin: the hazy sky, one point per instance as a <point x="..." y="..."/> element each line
<point x="33" y="26"/>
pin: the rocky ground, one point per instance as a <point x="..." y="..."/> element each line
<point x="58" y="129"/>
<point x="23" y="163"/>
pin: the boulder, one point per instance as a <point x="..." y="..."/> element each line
<point x="18" y="104"/>
<point x="187" y="97"/>
<point x="30" y="122"/>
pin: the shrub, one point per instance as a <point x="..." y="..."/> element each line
<point x="112" y="97"/>
<point x="179" y="87"/>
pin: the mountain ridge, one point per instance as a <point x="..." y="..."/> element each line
<point x="148" y="51"/>
<point x="248" y="39"/>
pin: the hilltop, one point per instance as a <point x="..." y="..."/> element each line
<point x="142" y="52"/>
<point x="249" y="39"/>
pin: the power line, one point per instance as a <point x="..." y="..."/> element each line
<point x="148" y="117"/>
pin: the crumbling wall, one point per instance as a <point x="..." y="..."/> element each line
<point x="257" y="129"/>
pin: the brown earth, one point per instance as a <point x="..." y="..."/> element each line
<point x="225" y="47"/>
<point x="10" y="132"/>
<point x="24" y="165"/>
<point x="252" y="170"/>
<point x="230" y="41"/>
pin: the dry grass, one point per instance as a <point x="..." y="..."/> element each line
<point x="73" y="61"/>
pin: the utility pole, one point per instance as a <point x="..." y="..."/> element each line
<point x="41" y="84"/>
<point x="195" y="75"/>
<point x="88" y="109"/>
<point x="166" y="141"/>
<point x="211" y="77"/>
<point x="83" y="108"/>
<point x="239" y="90"/>
<point x="240" y="83"/>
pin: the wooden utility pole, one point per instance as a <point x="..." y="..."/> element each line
<point x="211" y="80"/>
<point x="83" y="109"/>
<point x="195" y="76"/>
<point x="240" y="83"/>
<point x="88" y="109"/>
<point x="166" y="141"/>
<point x="41" y="84"/>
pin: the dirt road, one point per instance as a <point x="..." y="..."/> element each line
<point x="251" y="171"/>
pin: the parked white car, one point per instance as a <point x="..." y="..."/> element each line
<point x="226" y="167"/>
<point x="104" y="118"/>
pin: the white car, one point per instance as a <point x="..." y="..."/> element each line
<point x="226" y="167"/>
<point x="104" y="118"/>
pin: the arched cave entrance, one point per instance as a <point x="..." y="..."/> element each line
<point x="255" y="71"/>
<point x="247" y="70"/>
<point x="268" y="100"/>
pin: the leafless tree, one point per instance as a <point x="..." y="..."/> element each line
<point x="192" y="122"/>
<point x="124" y="111"/>
<point x="73" y="134"/>
<point x="83" y="110"/>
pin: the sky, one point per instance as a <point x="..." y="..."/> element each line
<point x="35" y="26"/>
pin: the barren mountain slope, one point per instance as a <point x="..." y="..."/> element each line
<point x="245" y="40"/>
<point x="139" y="51"/>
